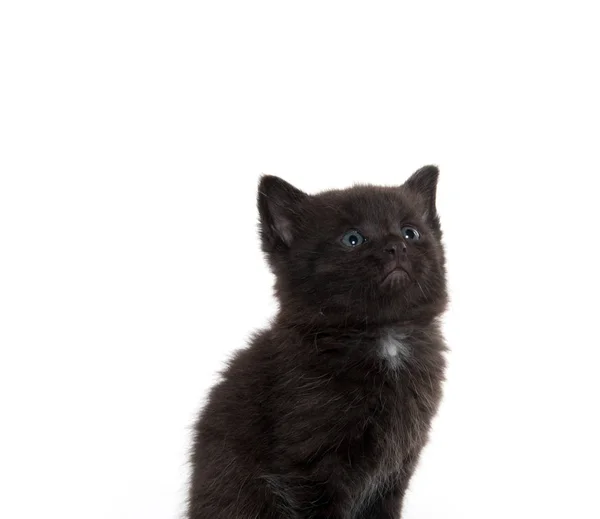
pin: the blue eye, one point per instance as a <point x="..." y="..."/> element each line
<point x="353" y="239"/>
<point x="410" y="233"/>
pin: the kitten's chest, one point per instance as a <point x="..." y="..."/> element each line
<point x="397" y="414"/>
<point x="404" y="398"/>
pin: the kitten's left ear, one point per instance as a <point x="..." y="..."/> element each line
<point x="279" y="206"/>
<point x="423" y="183"/>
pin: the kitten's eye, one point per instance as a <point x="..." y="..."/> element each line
<point x="410" y="233"/>
<point x="353" y="238"/>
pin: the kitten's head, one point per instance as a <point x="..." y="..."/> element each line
<point x="367" y="254"/>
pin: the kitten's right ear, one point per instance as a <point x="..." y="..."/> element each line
<point x="279" y="209"/>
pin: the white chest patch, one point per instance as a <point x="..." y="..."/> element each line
<point x="394" y="347"/>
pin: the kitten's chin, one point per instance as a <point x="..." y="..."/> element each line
<point x="396" y="277"/>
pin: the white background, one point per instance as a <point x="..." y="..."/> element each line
<point x="132" y="136"/>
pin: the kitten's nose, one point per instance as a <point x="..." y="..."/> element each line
<point x="395" y="247"/>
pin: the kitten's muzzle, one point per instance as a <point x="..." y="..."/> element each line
<point x="396" y="256"/>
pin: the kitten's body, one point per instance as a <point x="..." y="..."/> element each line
<point x="325" y="414"/>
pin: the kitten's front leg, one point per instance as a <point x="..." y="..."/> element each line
<point x="385" y="506"/>
<point x="388" y="503"/>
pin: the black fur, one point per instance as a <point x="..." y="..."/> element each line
<point x="325" y="414"/>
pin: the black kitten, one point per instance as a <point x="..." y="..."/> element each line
<point x="325" y="414"/>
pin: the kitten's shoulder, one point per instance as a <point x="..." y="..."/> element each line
<point x="238" y="396"/>
<point x="263" y="349"/>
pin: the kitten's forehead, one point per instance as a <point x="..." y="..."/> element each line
<point x="366" y="204"/>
